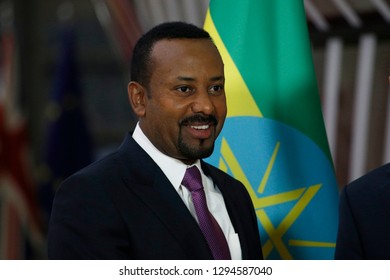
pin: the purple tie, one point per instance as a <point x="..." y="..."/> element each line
<point x="209" y="226"/>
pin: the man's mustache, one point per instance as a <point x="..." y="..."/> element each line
<point x="209" y="119"/>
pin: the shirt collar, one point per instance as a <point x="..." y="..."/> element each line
<point x="173" y="168"/>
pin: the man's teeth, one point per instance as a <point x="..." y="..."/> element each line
<point x="206" y="126"/>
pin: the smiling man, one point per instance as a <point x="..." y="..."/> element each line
<point x="182" y="107"/>
<point x="155" y="198"/>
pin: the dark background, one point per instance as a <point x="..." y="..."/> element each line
<point x="103" y="70"/>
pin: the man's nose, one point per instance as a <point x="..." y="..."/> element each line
<point x="203" y="103"/>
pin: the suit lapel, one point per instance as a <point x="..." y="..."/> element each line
<point x="231" y="206"/>
<point x="146" y="180"/>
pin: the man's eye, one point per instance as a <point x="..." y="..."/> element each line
<point x="184" y="89"/>
<point x="217" y="89"/>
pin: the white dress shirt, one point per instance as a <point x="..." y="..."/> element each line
<point x="174" y="170"/>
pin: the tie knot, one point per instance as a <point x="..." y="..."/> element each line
<point x="192" y="179"/>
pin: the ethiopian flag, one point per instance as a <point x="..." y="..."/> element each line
<point x="274" y="139"/>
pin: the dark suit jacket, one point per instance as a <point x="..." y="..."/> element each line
<point x="364" y="225"/>
<point x="124" y="207"/>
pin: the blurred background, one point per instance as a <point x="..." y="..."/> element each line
<point x="63" y="99"/>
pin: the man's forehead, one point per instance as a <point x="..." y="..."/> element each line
<point x="182" y="43"/>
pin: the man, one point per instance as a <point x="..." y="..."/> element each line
<point x="364" y="217"/>
<point x="135" y="204"/>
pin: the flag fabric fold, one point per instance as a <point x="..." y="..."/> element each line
<point x="120" y="22"/>
<point x="274" y="138"/>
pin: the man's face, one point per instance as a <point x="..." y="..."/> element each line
<point x="186" y="107"/>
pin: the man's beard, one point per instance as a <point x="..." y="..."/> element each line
<point x="194" y="153"/>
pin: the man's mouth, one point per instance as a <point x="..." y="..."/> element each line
<point x="199" y="131"/>
<point x="200" y="127"/>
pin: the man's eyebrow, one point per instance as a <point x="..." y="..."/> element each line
<point x="217" y="78"/>
<point x="186" y="79"/>
<point x="190" y="79"/>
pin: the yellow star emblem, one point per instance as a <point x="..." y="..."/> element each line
<point x="302" y="196"/>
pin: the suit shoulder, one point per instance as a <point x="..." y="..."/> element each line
<point x="94" y="172"/>
<point x="368" y="188"/>
<point x="374" y="179"/>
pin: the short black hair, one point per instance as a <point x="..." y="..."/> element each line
<point x="140" y="70"/>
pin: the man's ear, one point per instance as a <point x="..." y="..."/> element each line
<point x="137" y="95"/>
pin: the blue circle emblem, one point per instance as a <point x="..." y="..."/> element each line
<point x="291" y="183"/>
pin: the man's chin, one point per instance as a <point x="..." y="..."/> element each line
<point x="195" y="153"/>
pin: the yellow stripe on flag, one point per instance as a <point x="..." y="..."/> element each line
<point x="239" y="99"/>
